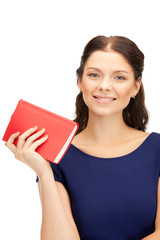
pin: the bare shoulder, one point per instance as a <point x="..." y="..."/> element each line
<point x="134" y="135"/>
<point x="139" y="135"/>
<point x="130" y="142"/>
<point x="76" y="138"/>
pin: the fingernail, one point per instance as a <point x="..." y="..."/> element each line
<point x="35" y="126"/>
<point x="17" y="132"/>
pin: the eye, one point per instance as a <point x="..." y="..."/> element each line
<point x="93" y="75"/>
<point x="120" y="78"/>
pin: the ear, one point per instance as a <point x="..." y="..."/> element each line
<point x="137" y="86"/>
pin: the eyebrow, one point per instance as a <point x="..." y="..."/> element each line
<point x="123" y="71"/>
<point x="93" y="68"/>
<point x="117" y="71"/>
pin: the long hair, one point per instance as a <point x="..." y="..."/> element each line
<point x="135" y="114"/>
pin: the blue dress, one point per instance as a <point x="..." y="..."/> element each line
<point x="112" y="198"/>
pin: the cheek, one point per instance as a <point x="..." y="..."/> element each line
<point x="87" y="92"/>
<point x="125" y="91"/>
<point x="124" y="94"/>
<point x="88" y="87"/>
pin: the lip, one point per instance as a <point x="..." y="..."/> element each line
<point x="104" y="100"/>
<point x="104" y="97"/>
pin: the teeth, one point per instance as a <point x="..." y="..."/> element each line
<point x="105" y="99"/>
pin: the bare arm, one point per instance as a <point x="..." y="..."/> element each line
<point x="57" y="221"/>
<point x="153" y="236"/>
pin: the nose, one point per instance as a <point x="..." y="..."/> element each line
<point x="105" y="84"/>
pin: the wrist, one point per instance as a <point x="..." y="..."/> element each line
<point x="46" y="173"/>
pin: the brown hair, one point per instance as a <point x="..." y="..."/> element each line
<point x="135" y="114"/>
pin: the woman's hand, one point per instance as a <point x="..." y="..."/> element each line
<point x="26" y="146"/>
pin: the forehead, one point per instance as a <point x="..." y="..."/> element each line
<point x="110" y="60"/>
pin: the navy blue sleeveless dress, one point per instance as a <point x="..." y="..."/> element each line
<point x="112" y="198"/>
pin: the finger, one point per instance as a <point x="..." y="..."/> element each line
<point x="32" y="138"/>
<point x="26" y="134"/>
<point x="10" y="142"/>
<point x="39" y="142"/>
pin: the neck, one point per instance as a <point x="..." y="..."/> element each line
<point x="106" y="129"/>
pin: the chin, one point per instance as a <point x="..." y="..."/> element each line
<point x="101" y="112"/>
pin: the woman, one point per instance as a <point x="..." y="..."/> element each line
<point x="107" y="185"/>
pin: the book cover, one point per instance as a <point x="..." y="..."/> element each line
<point x="59" y="129"/>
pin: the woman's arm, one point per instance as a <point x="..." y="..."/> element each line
<point x="56" y="219"/>
<point x="153" y="236"/>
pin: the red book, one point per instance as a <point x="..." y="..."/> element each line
<point x="60" y="130"/>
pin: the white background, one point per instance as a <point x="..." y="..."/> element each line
<point x="41" y="43"/>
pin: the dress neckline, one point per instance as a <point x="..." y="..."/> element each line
<point x="123" y="156"/>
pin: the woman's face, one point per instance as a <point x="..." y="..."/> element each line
<point x="108" y="83"/>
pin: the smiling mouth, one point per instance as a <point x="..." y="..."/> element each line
<point x="104" y="99"/>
